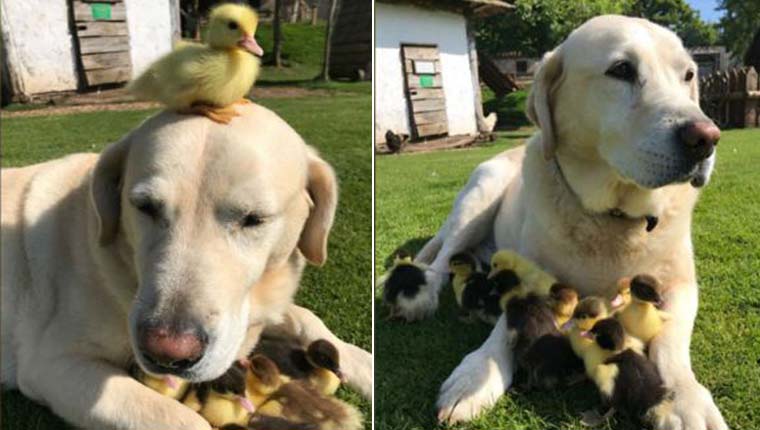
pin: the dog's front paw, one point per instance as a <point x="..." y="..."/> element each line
<point x="694" y="409"/>
<point x="475" y="385"/>
<point x="356" y="365"/>
<point x="424" y="303"/>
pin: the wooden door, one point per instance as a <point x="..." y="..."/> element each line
<point x="103" y="35"/>
<point x="424" y="90"/>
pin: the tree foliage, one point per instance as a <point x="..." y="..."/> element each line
<point x="536" y="26"/>
<point x="739" y="24"/>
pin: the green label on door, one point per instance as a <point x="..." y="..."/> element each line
<point x="426" y="81"/>
<point x="100" y="10"/>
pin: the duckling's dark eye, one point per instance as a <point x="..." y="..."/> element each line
<point x="622" y="70"/>
<point x="689" y="76"/>
<point x="232" y="25"/>
<point x="250" y="220"/>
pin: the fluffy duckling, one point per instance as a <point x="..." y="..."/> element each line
<point x="324" y="360"/>
<point x="540" y="348"/>
<point x="224" y="400"/>
<point x="562" y="300"/>
<point x="402" y="284"/>
<point x="262" y="379"/>
<point x="623" y="296"/>
<point x="502" y="286"/>
<point x="167" y="385"/>
<point x="470" y="286"/>
<point x="588" y="311"/>
<point x="299" y="402"/>
<point x="642" y="317"/>
<point x="533" y="277"/>
<point x="626" y="379"/>
<point x="206" y="79"/>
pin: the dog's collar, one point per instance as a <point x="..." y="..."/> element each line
<point x="651" y="220"/>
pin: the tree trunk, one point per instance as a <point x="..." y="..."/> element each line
<point x="197" y="22"/>
<point x="314" y="14"/>
<point x="325" y="76"/>
<point x="277" y="30"/>
<point x="295" y="12"/>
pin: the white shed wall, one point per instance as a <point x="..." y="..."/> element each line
<point x="150" y="31"/>
<point x="401" y="24"/>
<point x="38" y="45"/>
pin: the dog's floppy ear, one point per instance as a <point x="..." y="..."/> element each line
<point x="105" y="189"/>
<point x="322" y="188"/>
<point x="539" y="106"/>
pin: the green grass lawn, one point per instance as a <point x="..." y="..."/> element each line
<point x="414" y="194"/>
<point x="340" y="292"/>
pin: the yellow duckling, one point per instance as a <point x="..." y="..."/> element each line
<point x="207" y="79"/>
<point x="531" y="276"/>
<point x="167" y="385"/>
<point x="626" y="379"/>
<point x="623" y="296"/>
<point x="325" y="362"/>
<point x="262" y="379"/>
<point x="562" y="301"/>
<point x="223" y="401"/>
<point x="642" y="317"/>
<point x="588" y="311"/>
<point x="470" y="286"/>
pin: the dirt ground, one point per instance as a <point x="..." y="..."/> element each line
<point x="119" y="99"/>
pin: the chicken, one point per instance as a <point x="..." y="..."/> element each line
<point x="207" y="79"/>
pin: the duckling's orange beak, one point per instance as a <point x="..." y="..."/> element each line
<point x="248" y="42"/>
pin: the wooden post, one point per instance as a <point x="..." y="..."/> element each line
<point x="472" y="49"/>
<point x="315" y="14"/>
<point x="325" y="75"/>
<point x="295" y="12"/>
<point x="277" y="33"/>
<point x="750" y="103"/>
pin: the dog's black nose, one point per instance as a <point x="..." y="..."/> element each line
<point x="699" y="138"/>
<point x="170" y="348"/>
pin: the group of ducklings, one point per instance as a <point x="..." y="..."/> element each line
<point x="279" y="386"/>
<point x="557" y="338"/>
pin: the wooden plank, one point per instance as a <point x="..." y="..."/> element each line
<point x="108" y="76"/>
<point x="420" y="53"/>
<point x="83" y="12"/>
<point x="425" y="93"/>
<point x="432" y="129"/>
<point x="428" y="105"/>
<point x="413" y="81"/>
<point x="433" y="117"/>
<point x="102" y="28"/>
<point x="94" y="45"/>
<point x="106" y="61"/>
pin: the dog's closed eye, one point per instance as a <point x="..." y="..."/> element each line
<point x="250" y="220"/>
<point x="623" y="70"/>
<point x="148" y="206"/>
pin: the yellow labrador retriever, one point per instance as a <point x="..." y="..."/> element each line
<point x="176" y="246"/>
<point x="605" y="190"/>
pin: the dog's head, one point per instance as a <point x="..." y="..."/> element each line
<point x="206" y="213"/>
<point x="625" y="91"/>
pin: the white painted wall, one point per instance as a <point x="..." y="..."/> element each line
<point x="402" y="24"/>
<point x="150" y="31"/>
<point x="38" y="45"/>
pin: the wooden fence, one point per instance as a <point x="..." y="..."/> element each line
<point x="732" y="98"/>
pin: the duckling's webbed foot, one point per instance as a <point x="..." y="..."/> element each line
<point x="222" y="115"/>
<point x="592" y="417"/>
<point x="243" y="101"/>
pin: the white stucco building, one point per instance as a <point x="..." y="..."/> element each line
<point x="46" y="45"/>
<point x="425" y="49"/>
